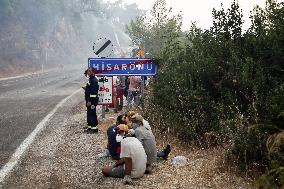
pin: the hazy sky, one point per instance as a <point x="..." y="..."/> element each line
<point x="201" y="10"/>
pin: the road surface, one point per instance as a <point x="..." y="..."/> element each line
<point x="25" y="101"/>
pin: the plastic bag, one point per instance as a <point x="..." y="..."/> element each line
<point x="179" y="161"/>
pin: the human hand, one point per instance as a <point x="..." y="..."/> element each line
<point x="131" y="132"/>
<point x="88" y="104"/>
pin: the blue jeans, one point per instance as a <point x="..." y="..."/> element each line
<point x="130" y="96"/>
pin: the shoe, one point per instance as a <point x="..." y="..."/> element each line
<point x="167" y="150"/>
<point x="91" y="131"/>
<point x="87" y="130"/>
<point x="96" y="130"/>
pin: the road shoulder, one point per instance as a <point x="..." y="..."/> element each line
<point x="64" y="157"/>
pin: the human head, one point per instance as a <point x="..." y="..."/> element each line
<point x="91" y="71"/>
<point x="86" y="72"/>
<point x="127" y="116"/>
<point x="138" y="119"/>
<point x="120" y="120"/>
<point x="122" y="129"/>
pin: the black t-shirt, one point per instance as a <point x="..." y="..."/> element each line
<point x="113" y="146"/>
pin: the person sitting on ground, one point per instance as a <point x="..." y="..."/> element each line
<point x="160" y="154"/>
<point x="128" y="116"/>
<point x="114" y="146"/>
<point x="146" y="137"/>
<point x="132" y="162"/>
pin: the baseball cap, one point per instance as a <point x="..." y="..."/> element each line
<point x="130" y="113"/>
<point x="137" y="117"/>
<point x="122" y="127"/>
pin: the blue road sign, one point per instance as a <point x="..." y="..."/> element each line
<point x="123" y="66"/>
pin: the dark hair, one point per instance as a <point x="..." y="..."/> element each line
<point x="93" y="70"/>
<point x="119" y="120"/>
<point x="85" y="72"/>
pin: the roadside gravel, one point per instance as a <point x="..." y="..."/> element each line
<point x="65" y="157"/>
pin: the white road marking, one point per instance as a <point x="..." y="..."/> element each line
<point x="15" y="158"/>
<point x="37" y="74"/>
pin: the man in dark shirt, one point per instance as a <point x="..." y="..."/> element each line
<point x="91" y="97"/>
<point x="113" y="146"/>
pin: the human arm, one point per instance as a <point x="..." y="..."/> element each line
<point x="121" y="161"/>
<point x="128" y="167"/>
<point x="88" y="104"/>
<point x="94" y="88"/>
<point x="139" y="135"/>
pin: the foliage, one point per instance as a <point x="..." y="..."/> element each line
<point x="156" y="30"/>
<point x="55" y="32"/>
<point x="222" y="80"/>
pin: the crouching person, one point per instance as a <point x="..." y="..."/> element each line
<point x="147" y="139"/>
<point x="114" y="146"/>
<point x="133" y="159"/>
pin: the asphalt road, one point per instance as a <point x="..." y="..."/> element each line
<point x="25" y="101"/>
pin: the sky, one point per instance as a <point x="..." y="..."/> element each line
<point x="200" y="11"/>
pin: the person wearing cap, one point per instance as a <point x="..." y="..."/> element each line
<point x="143" y="132"/>
<point x="127" y="118"/>
<point x="91" y="97"/>
<point x="147" y="139"/>
<point x="114" y="146"/>
<point x="145" y="122"/>
<point x="133" y="159"/>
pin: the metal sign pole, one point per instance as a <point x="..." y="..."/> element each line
<point x="142" y="91"/>
<point x="103" y="113"/>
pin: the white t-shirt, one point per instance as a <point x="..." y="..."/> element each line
<point x="132" y="148"/>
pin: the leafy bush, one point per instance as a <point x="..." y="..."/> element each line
<point x="222" y="80"/>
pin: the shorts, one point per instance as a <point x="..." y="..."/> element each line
<point x="117" y="172"/>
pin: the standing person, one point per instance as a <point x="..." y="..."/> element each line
<point x="126" y="86"/>
<point x="119" y="94"/>
<point x="132" y="162"/>
<point x="91" y="97"/>
<point x="133" y="91"/>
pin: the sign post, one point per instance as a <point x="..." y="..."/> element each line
<point x="105" y="93"/>
<point x="123" y="66"/>
<point x="108" y="67"/>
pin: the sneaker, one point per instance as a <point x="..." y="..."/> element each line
<point x="86" y="130"/>
<point x="167" y="150"/>
<point x="96" y="130"/>
<point x="91" y="131"/>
